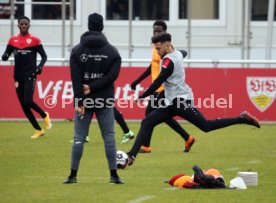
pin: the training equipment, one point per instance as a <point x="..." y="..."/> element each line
<point x="121" y="159"/>
<point x="213" y="180"/>
<point x="250" y="178"/>
<point x="237" y="183"/>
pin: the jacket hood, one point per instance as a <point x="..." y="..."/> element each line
<point x="93" y="39"/>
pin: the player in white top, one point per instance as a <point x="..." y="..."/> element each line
<point x="178" y="98"/>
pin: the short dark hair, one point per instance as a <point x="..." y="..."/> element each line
<point x="23" y="17"/>
<point x="163" y="37"/>
<point x="160" y="23"/>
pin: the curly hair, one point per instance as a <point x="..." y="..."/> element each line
<point x="160" y="23"/>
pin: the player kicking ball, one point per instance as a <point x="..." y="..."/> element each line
<point x="178" y="98"/>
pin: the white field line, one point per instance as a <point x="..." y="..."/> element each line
<point x="233" y="169"/>
<point x="141" y="199"/>
<point x="255" y="162"/>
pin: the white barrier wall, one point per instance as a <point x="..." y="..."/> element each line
<point x="216" y="39"/>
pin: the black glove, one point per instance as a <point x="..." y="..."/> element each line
<point x="5" y="57"/>
<point x="133" y="85"/>
<point x="38" y="70"/>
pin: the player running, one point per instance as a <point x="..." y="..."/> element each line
<point x="25" y="48"/>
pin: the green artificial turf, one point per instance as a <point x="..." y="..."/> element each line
<point x="33" y="170"/>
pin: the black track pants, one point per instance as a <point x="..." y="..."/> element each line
<point x="185" y="110"/>
<point x="25" y="90"/>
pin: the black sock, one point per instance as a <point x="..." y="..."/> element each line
<point x="38" y="128"/>
<point x="73" y="173"/>
<point x="43" y="115"/>
<point x="113" y="173"/>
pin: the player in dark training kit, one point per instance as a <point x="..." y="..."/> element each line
<point x="25" y="48"/>
<point x="178" y="98"/>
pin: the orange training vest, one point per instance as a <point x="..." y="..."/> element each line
<point x="155" y="68"/>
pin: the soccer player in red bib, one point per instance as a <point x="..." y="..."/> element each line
<point x="25" y="47"/>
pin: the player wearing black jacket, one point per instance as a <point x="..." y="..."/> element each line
<point x="95" y="65"/>
<point x="25" y="48"/>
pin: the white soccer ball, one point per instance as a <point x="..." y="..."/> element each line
<point x="122" y="159"/>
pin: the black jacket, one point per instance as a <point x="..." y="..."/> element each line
<point x="96" y="63"/>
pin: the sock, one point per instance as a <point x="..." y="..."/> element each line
<point x="73" y="173"/>
<point x="44" y="115"/>
<point x="38" y="128"/>
<point x="113" y="173"/>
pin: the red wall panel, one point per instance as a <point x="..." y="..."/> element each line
<point x="219" y="92"/>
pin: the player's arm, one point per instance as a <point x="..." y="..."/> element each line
<point x="76" y="78"/>
<point x="109" y="77"/>
<point x="7" y="53"/>
<point x="43" y="55"/>
<point x="166" y="71"/>
<point x="144" y="75"/>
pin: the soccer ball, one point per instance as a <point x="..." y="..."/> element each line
<point x="122" y="159"/>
